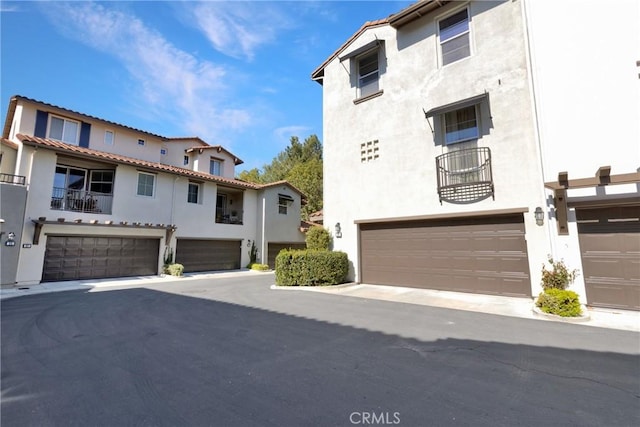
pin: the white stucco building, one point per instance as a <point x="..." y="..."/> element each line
<point x="101" y="199"/>
<point x="448" y="125"/>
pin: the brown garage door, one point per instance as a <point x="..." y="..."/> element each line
<point x="83" y="257"/>
<point x="208" y="255"/>
<point x="275" y="248"/>
<point x="610" y="247"/>
<point x="479" y="255"/>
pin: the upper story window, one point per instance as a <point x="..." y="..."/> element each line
<point x="141" y="142"/>
<point x="284" y="201"/>
<point x="185" y="160"/>
<point x="64" y="130"/>
<point x="215" y="167"/>
<point x="368" y="74"/>
<point x="454" y="37"/>
<point x="163" y="151"/>
<point x="108" y="137"/>
<point x="146" y="184"/>
<point x="193" y="192"/>
<point x="461" y="125"/>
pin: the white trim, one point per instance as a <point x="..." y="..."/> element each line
<point x="64" y="121"/>
<point x="470" y="31"/>
<point x="153" y="189"/>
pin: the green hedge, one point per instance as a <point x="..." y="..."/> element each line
<point x="258" y="267"/>
<point x="311" y="267"/>
<point x="175" y="269"/>
<point x="559" y="302"/>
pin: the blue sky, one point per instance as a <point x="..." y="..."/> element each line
<point x="233" y="73"/>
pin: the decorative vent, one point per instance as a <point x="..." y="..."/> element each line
<point x="369" y="151"/>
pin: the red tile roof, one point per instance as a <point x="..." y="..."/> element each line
<point x="9" y="143"/>
<point x="218" y="148"/>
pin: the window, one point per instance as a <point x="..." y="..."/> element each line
<point x="101" y="181"/>
<point x="163" y="151"/>
<point x="108" y="137"/>
<point x="192" y="192"/>
<point x="64" y="130"/>
<point x="454" y="37"/>
<point x="145" y="184"/>
<point x="369" y="151"/>
<point x="460" y="125"/>
<point x="215" y="166"/>
<point x="368" y="74"/>
<point x="284" y="201"/>
<point x="141" y="142"/>
<point x="185" y="160"/>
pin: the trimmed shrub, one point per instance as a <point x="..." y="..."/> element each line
<point x="175" y="269"/>
<point x="311" y="267"/>
<point x="258" y="267"/>
<point x="559" y="302"/>
<point x="559" y="277"/>
<point x="318" y="238"/>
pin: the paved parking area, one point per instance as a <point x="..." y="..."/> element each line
<point x="230" y="351"/>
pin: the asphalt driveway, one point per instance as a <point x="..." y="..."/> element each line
<point x="232" y="352"/>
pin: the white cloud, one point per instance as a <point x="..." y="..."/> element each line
<point x="286" y="132"/>
<point x="238" y="29"/>
<point x="174" y="84"/>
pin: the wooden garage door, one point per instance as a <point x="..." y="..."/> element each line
<point x="83" y="257"/>
<point x="479" y="255"/>
<point x="208" y="255"/>
<point x="275" y="248"/>
<point x="610" y="247"/>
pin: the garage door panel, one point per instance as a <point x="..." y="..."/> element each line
<point x="469" y="255"/>
<point x="208" y="255"/>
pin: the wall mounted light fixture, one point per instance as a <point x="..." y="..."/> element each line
<point x="338" y="231"/>
<point x="539" y="215"/>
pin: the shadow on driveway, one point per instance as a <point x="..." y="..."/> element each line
<point x="143" y="357"/>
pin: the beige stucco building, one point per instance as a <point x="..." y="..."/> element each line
<point x="101" y="199"/>
<point x="448" y="130"/>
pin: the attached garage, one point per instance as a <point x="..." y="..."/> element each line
<point x="610" y="249"/>
<point x="208" y="255"/>
<point x="479" y="255"/>
<point x="92" y="257"/>
<point x="275" y="248"/>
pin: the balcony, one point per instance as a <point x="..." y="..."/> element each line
<point x="65" y="199"/>
<point x="465" y="176"/>
<point x="6" y="178"/>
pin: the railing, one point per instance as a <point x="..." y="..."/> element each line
<point x="465" y="176"/>
<point x="65" y="199"/>
<point x="232" y="217"/>
<point x="12" y="179"/>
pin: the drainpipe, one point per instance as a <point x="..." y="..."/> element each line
<point x="31" y="157"/>
<point x="173" y="198"/>
<point x="264" y="245"/>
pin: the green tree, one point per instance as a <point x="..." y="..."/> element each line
<point x="301" y="165"/>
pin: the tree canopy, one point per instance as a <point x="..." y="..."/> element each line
<point x="301" y="165"/>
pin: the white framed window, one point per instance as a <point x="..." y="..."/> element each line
<point x="141" y="142"/>
<point x="454" y="33"/>
<point x="193" y="192"/>
<point x="185" y="160"/>
<point x="215" y="167"/>
<point x="146" y="184"/>
<point x="108" y="137"/>
<point x="284" y="201"/>
<point x="101" y="181"/>
<point x="368" y="73"/>
<point x="163" y="151"/>
<point x="461" y="125"/>
<point x="64" y="130"/>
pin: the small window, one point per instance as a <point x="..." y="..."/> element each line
<point x="146" y="183"/>
<point x="163" y="151"/>
<point x="193" y="192"/>
<point x="64" y="130"/>
<point x="368" y="74"/>
<point x="108" y="137"/>
<point x="369" y="151"/>
<point x="215" y="166"/>
<point x="461" y="125"/>
<point x="141" y="142"/>
<point x="454" y="37"/>
<point x="284" y="201"/>
<point x="185" y="161"/>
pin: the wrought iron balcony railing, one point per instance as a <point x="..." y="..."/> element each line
<point x="65" y="199"/>
<point x="465" y="176"/>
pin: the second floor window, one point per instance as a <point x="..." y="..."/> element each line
<point x="284" y="201"/>
<point x="454" y="37"/>
<point x="368" y="74"/>
<point x="146" y="183"/>
<point x="461" y="125"/>
<point x="108" y="137"/>
<point x="215" y="166"/>
<point x="64" y="130"/>
<point x="193" y="192"/>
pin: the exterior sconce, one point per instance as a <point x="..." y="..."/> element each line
<point x="539" y="215"/>
<point x="248" y="243"/>
<point x="338" y="231"/>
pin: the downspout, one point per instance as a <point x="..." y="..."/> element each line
<point x="264" y="245"/>
<point x="536" y="120"/>
<point x="31" y="158"/>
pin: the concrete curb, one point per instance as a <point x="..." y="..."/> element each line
<point x="311" y="288"/>
<point x="585" y="317"/>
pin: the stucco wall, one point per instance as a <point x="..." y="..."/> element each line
<point x="12" y="205"/>
<point x="402" y="181"/>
